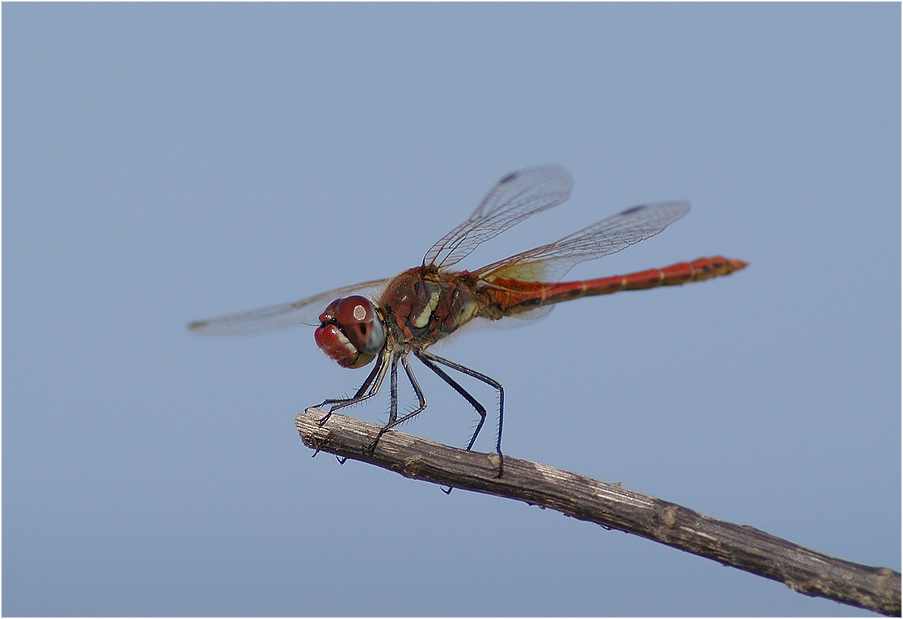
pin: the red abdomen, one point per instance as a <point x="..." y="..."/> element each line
<point x="512" y="297"/>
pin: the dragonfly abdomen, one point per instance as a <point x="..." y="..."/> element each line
<point x="516" y="297"/>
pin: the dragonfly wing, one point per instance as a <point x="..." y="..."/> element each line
<point x="515" y="197"/>
<point x="551" y="262"/>
<point x="303" y="312"/>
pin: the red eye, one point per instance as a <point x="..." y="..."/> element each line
<point x="351" y="332"/>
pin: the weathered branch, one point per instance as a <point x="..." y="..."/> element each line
<point x="610" y="505"/>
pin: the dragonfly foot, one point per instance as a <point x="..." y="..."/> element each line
<point x="372" y="446"/>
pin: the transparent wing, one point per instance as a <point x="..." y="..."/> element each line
<point x="303" y="312"/>
<point x="549" y="263"/>
<point x="514" y="198"/>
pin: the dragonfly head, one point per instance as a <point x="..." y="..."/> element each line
<point x="351" y="331"/>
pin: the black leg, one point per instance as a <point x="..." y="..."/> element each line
<point x="373" y="383"/>
<point x="393" y="417"/>
<point x="430" y="360"/>
<point x="481" y="410"/>
<point x="393" y="392"/>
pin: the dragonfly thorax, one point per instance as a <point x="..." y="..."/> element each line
<point x="351" y="331"/>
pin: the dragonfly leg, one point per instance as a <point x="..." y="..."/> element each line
<point x="373" y="383"/>
<point x="393" y="392"/>
<point x="430" y="360"/>
<point x="393" y="416"/>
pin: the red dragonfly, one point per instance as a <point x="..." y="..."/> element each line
<point x="409" y="313"/>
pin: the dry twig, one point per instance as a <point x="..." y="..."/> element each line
<point x="610" y="505"/>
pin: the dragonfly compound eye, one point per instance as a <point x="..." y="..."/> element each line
<point x="350" y="332"/>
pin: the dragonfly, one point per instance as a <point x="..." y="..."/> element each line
<point x="388" y="320"/>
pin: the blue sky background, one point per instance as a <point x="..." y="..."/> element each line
<point x="170" y="162"/>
